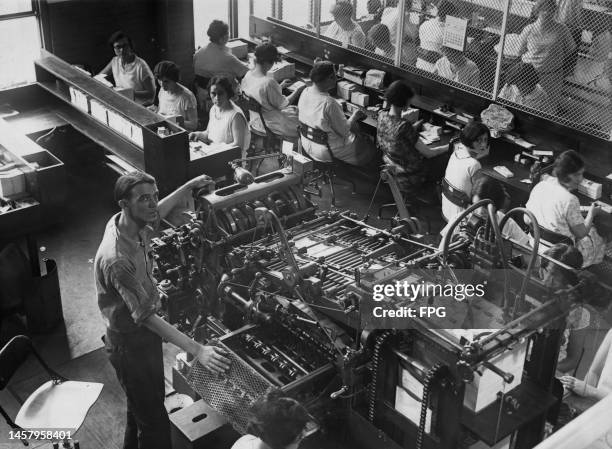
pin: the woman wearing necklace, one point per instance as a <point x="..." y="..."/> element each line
<point x="130" y="71"/>
<point x="227" y="123"/>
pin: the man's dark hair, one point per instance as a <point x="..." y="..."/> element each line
<point x="321" y="71"/>
<point x="487" y="188"/>
<point x="266" y="54"/>
<point x="277" y="420"/>
<point x="544" y="5"/>
<point x="399" y="94"/>
<point x="379" y="34"/>
<point x="125" y="183"/>
<point x="472" y="132"/>
<point x="223" y="82"/>
<point x="446" y="8"/>
<point x="167" y="69"/>
<point x="216" y="30"/>
<point x="568" y="163"/>
<point x="117" y="36"/>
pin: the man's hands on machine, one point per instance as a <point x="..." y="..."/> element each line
<point x="199" y="181"/>
<point x="213" y="358"/>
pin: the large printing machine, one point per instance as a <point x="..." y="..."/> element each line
<point x="288" y="290"/>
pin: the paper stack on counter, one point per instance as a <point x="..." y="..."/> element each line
<point x="590" y="188"/>
<point x="430" y="133"/>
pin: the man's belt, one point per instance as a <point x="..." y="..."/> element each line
<point x="454" y="195"/>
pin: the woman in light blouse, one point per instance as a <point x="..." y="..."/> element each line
<point x="557" y="209"/>
<point x="277" y="110"/>
<point x="548" y="46"/>
<point x="227" y="123"/>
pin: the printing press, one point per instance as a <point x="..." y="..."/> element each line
<point x="282" y="286"/>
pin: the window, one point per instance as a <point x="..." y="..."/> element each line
<point x="298" y="13"/>
<point x="20" y="42"/>
<point x="261" y="8"/>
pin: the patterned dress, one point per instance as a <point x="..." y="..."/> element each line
<point x="396" y="138"/>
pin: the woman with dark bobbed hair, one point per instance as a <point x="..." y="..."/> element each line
<point x="276" y="422"/>
<point x="277" y="111"/>
<point x="462" y="168"/>
<point x="129" y="70"/>
<point x="174" y="98"/>
<point x="557" y="209"/>
<point x="227" y="123"/>
<point x="399" y="141"/>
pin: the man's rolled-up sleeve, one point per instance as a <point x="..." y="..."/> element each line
<point x="141" y="305"/>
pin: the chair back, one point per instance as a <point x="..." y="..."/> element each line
<point x="254" y="108"/>
<point x="317" y="136"/>
<point x="551" y="236"/>
<point x="12" y="355"/>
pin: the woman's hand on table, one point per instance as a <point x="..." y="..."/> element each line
<point x="577" y="386"/>
<point x="286" y="83"/>
<point x="199" y="136"/>
<point x="595" y="209"/>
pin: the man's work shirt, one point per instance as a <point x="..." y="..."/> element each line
<point x="127" y="292"/>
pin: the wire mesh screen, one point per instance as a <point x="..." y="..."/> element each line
<point x="232" y="393"/>
<point x="558" y="63"/>
<point x="298" y="13"/>
<point x="453" y="42"/>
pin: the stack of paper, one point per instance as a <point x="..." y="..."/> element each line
<point x="590" y="188"/>
<point x="98" y="111"/>
<point x="79" y="99"/>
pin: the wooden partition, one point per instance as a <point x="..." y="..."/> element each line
<point x="121" y="126"/>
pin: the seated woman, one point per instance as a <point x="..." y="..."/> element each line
<point x="276" y="422"/>
<point x="597" y="384"/>
<point x="462" y="168"/>
<point x="129" y="71"/>
<point x="401" y="145"/>
<point x="227" y="123"/>
<point x="174" y="98"/>
<point x="380" y="40"/>
<point x="486" y="188"/>
<point x="319" y="110"/>
<point x="431" y="35"/>
<point x="456" y="67"/>
<point x="279" y="116"/>
<point x="216" y="59"/>
<point x="522" y="88"/>
<point x="557" y="209"/>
